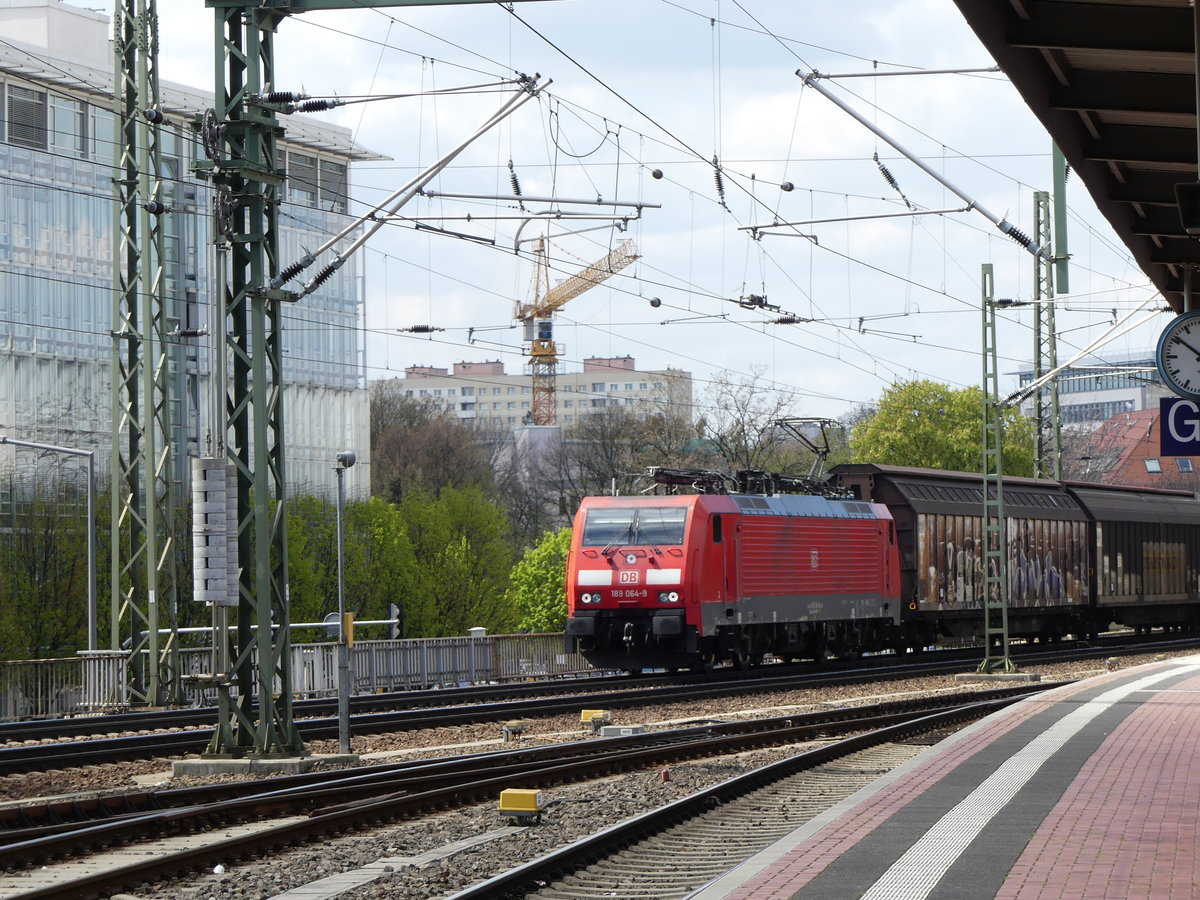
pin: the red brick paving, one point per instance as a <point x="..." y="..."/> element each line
<point x="798" y="866"/>
<point x="1129" y="824"/>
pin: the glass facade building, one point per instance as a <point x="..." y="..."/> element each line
<point x="57" y="221"/>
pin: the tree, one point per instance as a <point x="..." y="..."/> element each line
<point x="933" y="426"/>
<point x="378" y="562"/>
<point x="538" y="589"/>
<point x="739" y="425"/>
<point x="461" y="563"/>
<point x="599" y="448"/>
<point x="417" y="446"/>
<point x="43" y="558"/>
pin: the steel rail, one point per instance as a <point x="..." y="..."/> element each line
<point x="413" y="793"/>
<point x="417" y="713"/>
<point x="538" y="873"/>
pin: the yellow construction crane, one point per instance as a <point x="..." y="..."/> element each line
<point x="537" y="317"/>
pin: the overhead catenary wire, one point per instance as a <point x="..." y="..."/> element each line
<point x="718" y="292"/>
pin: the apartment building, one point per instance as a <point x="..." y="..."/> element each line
<point x="485" y="395"/>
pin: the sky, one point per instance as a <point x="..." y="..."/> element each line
<point x="643" y="96"/>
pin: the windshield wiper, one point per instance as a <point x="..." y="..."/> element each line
<point x="611" y="546"/>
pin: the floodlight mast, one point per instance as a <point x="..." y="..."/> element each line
<point x="240" y="139"/>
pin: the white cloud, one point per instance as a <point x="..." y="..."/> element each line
<point x="719" y="89"/>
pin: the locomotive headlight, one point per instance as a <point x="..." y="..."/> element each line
<point x="589" y="598"/>
<point x="668" y="596"/>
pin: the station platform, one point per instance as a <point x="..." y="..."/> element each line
<point x="1089" y="791"/>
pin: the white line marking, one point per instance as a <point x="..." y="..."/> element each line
<point x="915" y="874"/>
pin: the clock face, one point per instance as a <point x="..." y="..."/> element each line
<point x="1179" y="355"/>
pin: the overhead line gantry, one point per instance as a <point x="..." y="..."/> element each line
<point x="240" y="137"/>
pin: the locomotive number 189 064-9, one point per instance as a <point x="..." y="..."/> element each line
<point x="632" y="593"/>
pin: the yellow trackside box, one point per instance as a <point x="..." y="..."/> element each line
<point x="591" y="715"/>
<point x="523" y="805"/>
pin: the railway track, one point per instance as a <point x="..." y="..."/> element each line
<point x="674" y="850"/>
<point x="179" y="732"/>
<point x="224" y="822"/>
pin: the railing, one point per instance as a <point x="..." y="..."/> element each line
<point x="96" y="681"/>
<point x="50" y="688"/>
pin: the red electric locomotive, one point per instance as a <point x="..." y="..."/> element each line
<point x="683" y="581"/>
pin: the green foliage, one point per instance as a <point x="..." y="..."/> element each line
<point x="461" y="561"/>
<point x="538" y="589"/>
<point x="930" y="425"/>
<point x="378" y="561"/>
<point x="43" y="558"/>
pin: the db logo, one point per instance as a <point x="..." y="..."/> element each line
<point x="629" y="578"/>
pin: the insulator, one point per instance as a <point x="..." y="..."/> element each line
<point x="887" y="175"/>
<point x="317" y="105"/>
<point x="655" y="302"/>
<point x="282" y="97"/>
<point x="788" y="320"/>
<point x="719" y="180"/>
<point x="155" y="207"/>
<point x="154" y="116"/>
<point x="516" y="185"/>
<point x="787" y="187"/>
<point x="321" y="277"/>
<point x="656" y="174"/>
<point x="422" y="329"/>
<point x="288" y="273"/>
<point x="1020" y="237"/>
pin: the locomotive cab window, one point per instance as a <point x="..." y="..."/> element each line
<point x="716" y="522"/>
<point x="634" y="525"/>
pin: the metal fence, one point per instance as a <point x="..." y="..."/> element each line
<point x="96" y="681"/>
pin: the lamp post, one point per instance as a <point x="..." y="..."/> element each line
<point x="91" y="518"/>
<point x="345" y="460"/>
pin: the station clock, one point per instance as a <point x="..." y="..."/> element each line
<point x="1178" y="355"/>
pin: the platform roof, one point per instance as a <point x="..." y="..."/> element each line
<point x="1114" y="82"/>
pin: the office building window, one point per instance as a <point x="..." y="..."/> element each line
<point x="1184" y="464"/>
<point x="333" y="186"/>
<point x="26" y="117"/>
<point x="1153" y="466"/>
<point x="100" y="134"/>
<point x="597" y="387"/>
<point x="69" y="127"/>
<point x="302" y="178"/>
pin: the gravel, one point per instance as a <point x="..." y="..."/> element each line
<point x="576" y="810"/>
